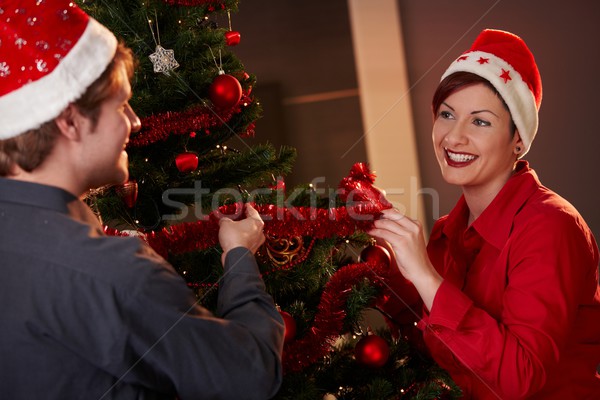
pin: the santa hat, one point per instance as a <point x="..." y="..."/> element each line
<point x="50" y="53"/>
<point x="506" y="62"/>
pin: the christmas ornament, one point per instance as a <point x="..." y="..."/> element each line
<point x="186" y="162"/>
<point x="242" y="76"/>
<point x="162" y="59"/>
<point x="232" y="38"/>
<point x="358" y="187"/>
<point x="376" y="254"/>
<point x="225" y="91"/>
<point x="279" y="184"/>
<point x="290" y="326"/>
<point x="283" y="251"/>
<point x="372" y="351"/>
<point x="128" y="192"/>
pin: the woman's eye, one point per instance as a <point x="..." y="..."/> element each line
<point x="445" y="114"/>
<point x="480" y="122"/>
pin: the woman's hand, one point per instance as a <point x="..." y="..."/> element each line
<point x="405" y="237"/>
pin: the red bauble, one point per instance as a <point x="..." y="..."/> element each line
<point x="225" y="91"/>
<point x="128" y="192"/>
<point x="290" y="326"/>
<point x="376" y="254"/>
<point x="279" y="185"/>
<point x="186" y="162"/>
<point x="372" y="351"/>
<point x="232" y="38"/>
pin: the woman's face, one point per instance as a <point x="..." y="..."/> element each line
<point x="472" y="139"/>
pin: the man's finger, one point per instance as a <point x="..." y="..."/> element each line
<point x="252" y="213"/>
<point x="224" y="219"/>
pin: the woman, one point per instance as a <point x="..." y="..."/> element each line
<point x="509" y="279"/>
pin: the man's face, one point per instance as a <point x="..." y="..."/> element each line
<point x="104" y="160"/>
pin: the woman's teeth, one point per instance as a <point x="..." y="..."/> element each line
<point x="460" y="157"/>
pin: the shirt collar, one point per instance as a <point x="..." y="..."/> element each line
<point x="34" y="194"/>
<point x="47" y="197"/>
<point x="495" y="223"/>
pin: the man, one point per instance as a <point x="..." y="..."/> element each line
<point x="84" y="315"/>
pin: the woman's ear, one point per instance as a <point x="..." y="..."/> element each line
<point x="518" y="146"/>
<point x="69" y="122"/>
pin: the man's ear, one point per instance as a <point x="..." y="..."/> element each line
<point x="69" y="122"/>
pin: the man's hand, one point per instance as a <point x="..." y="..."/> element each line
<point x="246" y="233"/>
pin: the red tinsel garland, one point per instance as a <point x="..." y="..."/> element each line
<point x="318" y="223"/>
<point x="159" y="127"/>
<point x="329" y="319"/>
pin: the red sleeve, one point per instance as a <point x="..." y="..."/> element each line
<point x="549" y="258"/>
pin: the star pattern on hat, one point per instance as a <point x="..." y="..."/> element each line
<point x="20" y="42"/>
<point x="483" y="60"/>
<point x="505" y="75"/>
<point x="4" y="69"/>
<point x="44" y="44"/>
<point x="163" y="60"/>
<point x="462" y="58"/>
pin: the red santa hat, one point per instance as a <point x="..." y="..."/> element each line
<point x="506" y="62"/>
<point x="50" y="53"/>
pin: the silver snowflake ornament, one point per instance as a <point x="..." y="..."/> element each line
<point x="163" y="60"/>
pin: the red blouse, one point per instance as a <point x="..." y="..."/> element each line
<point x="518" y="313"/>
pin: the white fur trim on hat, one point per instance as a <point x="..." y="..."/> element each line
<point x="44" y="99"/>
<point x="514" y="91"/>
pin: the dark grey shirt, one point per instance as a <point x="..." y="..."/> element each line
<point x="89" y="316"/>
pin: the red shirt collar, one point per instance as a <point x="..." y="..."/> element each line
<point x="495" y="223"/>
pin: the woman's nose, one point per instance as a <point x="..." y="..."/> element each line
<point x="456" y="134"/>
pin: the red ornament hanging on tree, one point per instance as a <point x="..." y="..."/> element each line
<point x="128" y="192"/>
<point x="278" y="184"/>
<point x="232" y="38"/>
<point x="186" y="162"/>
<point x="376" y="254"/>
<point x="225" y="91"/>
<point x="290" y="326"/>
<point x="372" y="351"/>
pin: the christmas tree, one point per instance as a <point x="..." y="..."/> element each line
<point x="190" y="164"/>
